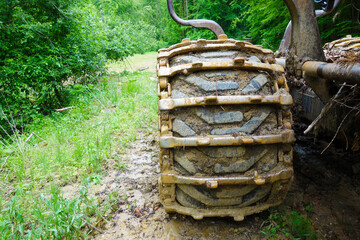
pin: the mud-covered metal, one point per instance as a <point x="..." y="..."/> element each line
<point x="197" y="23"/>
<point x="348" y="43"/>
<point x="237" y="63"/>
<point x="282" y="174"/>
<point x="310" y="102"/>
<point x="223" y="43"/>
<point x="225" y="128"/>
<point x="320" y="76"/>
<point x="327" y="8"/>
<point x="305" y="36"/>
<point x="332" y="71"/>
<point x="280" y="99"/>
<point x="304" y="45"/>
<point x="286" y="136"/>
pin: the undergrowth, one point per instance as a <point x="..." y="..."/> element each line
<point x="70" y="146"/>
<point x="289" y="224"/>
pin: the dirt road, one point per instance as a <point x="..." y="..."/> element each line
<point x="332" y="193"/>
<point x="142" y="216"/>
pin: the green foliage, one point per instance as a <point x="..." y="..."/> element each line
<point x="53" y="217"/>
<point x="224" y="12"/>
<point x="42" y="46"/>
<point x="47" y="46"/>
<point x="74" y="146"/>
<point x="345" y="20"/>
<point x="128" y="26"/>
<point x="301" y="226"/>
<point x="291" y="225"/>
<point x="266" y="21"/>
<point x="275" y="225"/>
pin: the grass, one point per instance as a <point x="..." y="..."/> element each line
<point x="136" y="62"/>
<point x="285" y="224"/>
<point x="71" y="146"/>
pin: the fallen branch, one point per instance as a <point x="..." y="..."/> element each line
<point x="63" y="109"/>
<point x="2" y="165"/>
<point x="93" y="226"/>
<point x="34" y="134"/>
<point x="337" y="131"/>
<point x="142" y="69"/>
<point x="324" y="110"/>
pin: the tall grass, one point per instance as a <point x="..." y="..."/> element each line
<point x="67" y="147"/>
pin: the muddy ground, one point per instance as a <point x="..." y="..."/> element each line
<point x="328" y="183"/>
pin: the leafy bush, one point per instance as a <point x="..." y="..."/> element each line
<point x="43" y="47"/>
<point x="344" y="21"/>
<point x="47" y="46"/>
<point x="76" y="145"/>
<point x="266" y="21"/>
<point x="288" y="224"/>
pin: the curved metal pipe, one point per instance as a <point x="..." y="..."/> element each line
<point x="285" y="42"/>
<point x="331" y="6"/>
<point x="197" y="23"/>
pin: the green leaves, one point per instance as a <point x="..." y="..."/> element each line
<point x="47" y="46"/>
<point x="266" y="21"/>
<point x="343" y="21"/>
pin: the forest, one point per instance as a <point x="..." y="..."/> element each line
<point x="48" y="46"/>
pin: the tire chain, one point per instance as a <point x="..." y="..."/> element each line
<point x="175" y="197"/>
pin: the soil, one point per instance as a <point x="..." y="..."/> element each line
<point x="329" y="184"/>
<point x="142" y="216"/>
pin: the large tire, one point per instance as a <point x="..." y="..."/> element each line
<point x="223" y="120"/>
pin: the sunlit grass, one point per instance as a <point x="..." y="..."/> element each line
<point x="68" y="147"/>
<point x="136" y="62"/>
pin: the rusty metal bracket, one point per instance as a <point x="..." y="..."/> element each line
<point x="168" y="141"/>
<point x="169" y="104"/>
<point x="209" y="45"/>
<point x="281" y="174"/>
<point x="237" y="213"/>
<point x="197" y="23"/>
<point x="237" y="63"/>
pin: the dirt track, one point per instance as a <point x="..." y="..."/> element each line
<point x="142" y="217"/>
<point x="332" y="193"/>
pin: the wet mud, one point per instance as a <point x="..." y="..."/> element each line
<point x="329" y="183"/>
<point x="142" y="216"/>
